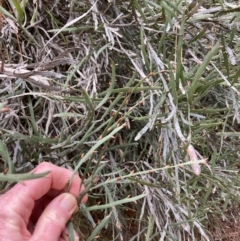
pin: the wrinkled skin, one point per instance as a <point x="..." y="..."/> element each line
<point x="38" y="209"/>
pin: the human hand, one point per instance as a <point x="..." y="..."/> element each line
<point x="37" y="210"/>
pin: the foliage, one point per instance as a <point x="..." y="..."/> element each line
<point x="123" y="92"/>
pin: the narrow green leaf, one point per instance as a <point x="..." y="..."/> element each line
<point x="236" y="77"/>
<point x="99" y="143"/>
<point x="179" y="69"/>
<point x="88" y="100"/>
<point x="229" y="134"/>
<point x="131" y="89"/>
<point x="6" y="13"/>
<point x="154" y="4"/>
<point x="6" y="157"/>
<point x="70" y="231"/>
<point x="102" y="49"/>
<point x="30" y="139"/>
<point x="18" y="10"/>
<point x="119" y="96"/>
<point x="169" y="12"/>
<point x="199" y="35"/>
<point x="33" y="121"/>
<point x="200" y="71"/>
<point x="225" y="55"/>
<point x="73" y="30"/>
<point x="99" y="227"/>
<point x="69" y="114"/>
<point x="109" y="91"/>
<point x="21" y="177"/>
<point x="113" y="180"/>
<point x="138" y="7"/>
<point x="150" y="227"/>
<point x="112" y="204"/>
<point x="143" y="182"/>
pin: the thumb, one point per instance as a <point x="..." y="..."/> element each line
<point x="54" y="218"/>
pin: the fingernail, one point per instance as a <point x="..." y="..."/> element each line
<point x="68" y="202"/>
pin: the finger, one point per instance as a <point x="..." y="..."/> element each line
<point x="60" y="180"/>
<point x="30" y="227"/>
<point x="43" y="202"/>
<point x="39" y="207"/>
<point x="21" y="198"/>
<point x="53" y="193"/>
<point x="54" y="218"/>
